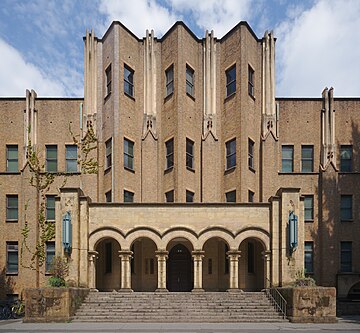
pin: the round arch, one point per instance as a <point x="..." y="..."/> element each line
<point x="180" y="233"/>
<point x="138" y="233"/>
<point x="224" y="235"/>
<point x="98" y="235"/>
<point x="258" y="234"/>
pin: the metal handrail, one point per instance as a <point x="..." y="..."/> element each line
<point x="276" y="298"/>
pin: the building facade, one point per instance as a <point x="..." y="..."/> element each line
<point x="180" y="170"/>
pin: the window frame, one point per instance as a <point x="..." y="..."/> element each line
<point x="190" y="83"/>
<point x="251" y="81"/>
<point x="190" y="195"/>
<point x="169" y="154"/>
<point x="310" y="209"/>
<point x="8" y="262"/>
<point x="50" y="209"/>
<point x="230" y="196"/>
<point x="10" y="160"/>
<point x="230" y="154"/>
<point x="251" y="196"/>
<point x="10" y="208"/>
<point x="169" y="80"/>
<point x="129" y="81"/>
<point x="190" y="154"/>
<point x="230" y="82"/>
<point x="71" y="159"/>
<point x="49" y="253"/>
<point x="108" y="154"/>
<point x="346" y="164"/>
<point x="251" y="154"/>
<point x="50" y="160"/>
<point x="167" y="196"/>
<point x="346" y="208"/>
<point x="108" y="80"/>
<point x="128" y="195"/>
<point x="307" y="159"/>
<point x="128" y="156"/>
<point x="310" y="252"/>
<point x="290" y="147"/>
<point x="108" y="196"/>
<point x="346" y="265"/>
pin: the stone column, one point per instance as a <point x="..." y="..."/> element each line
<point x="234" y="256"/>
<point x="92" y="256"/>
<point x="125" y="256"/>
<point x="267" y="268"/>
<point x="198" y="256"/>
<point x="161" y="256"/>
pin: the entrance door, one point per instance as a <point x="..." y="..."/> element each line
<point x="179" y="269"/>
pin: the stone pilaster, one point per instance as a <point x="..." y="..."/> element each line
<point x="92" y="256"/>
<point x="125" y="256"/>
<point x="266" y="255"/>
<point x="198" y="257"/>
<point x="234" y="256"/>
<point x="161" y="256"/>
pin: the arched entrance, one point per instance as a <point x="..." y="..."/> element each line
<point x="179" y="270"/>
<point x="108" y="265"/>
<point x="215" y="265"/>
<point x="251" y="265"/>
<point x="143" y="265"/>
<point x="354" y="292"/>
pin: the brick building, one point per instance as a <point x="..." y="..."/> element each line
<point x="181" y="170"/>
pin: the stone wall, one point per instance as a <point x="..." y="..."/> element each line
<point x="310" y="304"/>
<point x="52" y="304"/>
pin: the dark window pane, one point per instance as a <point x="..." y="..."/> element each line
<point x="309" y="257"/>
<point x="230" y="80"/>
<point x="12" y="207"/>
<point x="346" y="158"/>
<point x="50" y="208"/>
<point x="169" y="196"/>
<point x="230" y="196"/>
<point x="189" y="196"/>
<point x="346" y="257"/>
<point x="287" y="158"/>
<point x="12" y="158"/>
<point x="309" y="208"/>
<point x="128" y="196"/>
<point x="50" y="253"/>
<point x="346" y="207"/>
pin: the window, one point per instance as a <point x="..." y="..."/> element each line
<point x="128" y="196"/>
<point x="230" y="154"/>
<point x="51" y="158"/>
<point x="346" y="208"/>
<point x="251" y="154"/>
<point x="108" y="257"/>
<point x="169" y="196"/>
<point x="12" y="162"/>
<point x="128" y="154"/>
<point x="11" y="208"/>
<point x="307" y="158"/>
<point x="71" y="158"/>
<point x="251" y="76"/>
<point x="128" y="81"/>
<point x="230" y="80"/>
<point x="210" y="266"/>
<point x="230" y="196"/>
<point x="251" y="258"/>
<point x="189" y="154"/>
<point x="189" y="196"/>
<point x="108" y="196"/>
<point x="287" y="159"/>
<point x="50" y="254"/>
<point x="346" y="257"/>
<point x="345" y="158"/>
<point x="190" y="81"/>
<point x="12" y="257"/>
<point x="309" y="208"/>
<point x="226" y="260"/>
<point x="169" y="73"/>
<point x="169" y="153"/>
<point x="108" y="80"/>
<point x="149" y="266"/>
<point x="309" y="257"/>
<point x="50" y="208"/>
<point x="251" y="196"/>
<point x="108" y="153"/>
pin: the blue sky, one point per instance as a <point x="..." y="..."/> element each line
<point x="318" y="42"/>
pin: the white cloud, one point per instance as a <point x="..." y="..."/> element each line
<point x="17" y="75"/>
<point x="320" y="47"/>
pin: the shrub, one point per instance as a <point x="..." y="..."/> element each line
<point x="301" y="280"/>
<point x="56" y="282"/>
<point x="59" y="268"/>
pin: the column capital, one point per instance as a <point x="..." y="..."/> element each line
<point x="93" y="255"/>
<point x="235" y="254"/>
<point x="125" y="254"/>
<point x="198" y="254"/>
<point x="161" y="253"/>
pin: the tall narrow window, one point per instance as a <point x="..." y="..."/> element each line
<point x="287" y="158"/>
<point x="71" y="158"/>
<point x="230" y="196"/>
<point x="169" y="153"/>
<point x="128" y="196"/>
<point x="251" y="257"/>
<point x="108" y="79"/>
<point x="189" y="154"/>
<point x="251" y="77"/>
<point x="12" y="208"/>
<point x="230" y="80"/>
<point x="230" y="154"/>
<point x="12" y="258"/>
<point x="108" y="196"/>
<point x="251" y="196"/>
<point x="51" y="158"/>
<point x="128" y="154"/>
<point x="50" y="254"/>
<point x="128" y="81"/>
<point x="189" y="196"/>
<point x="309" y="257"/>
<point x="251" y="154"/>
<point x="108" y="153"/>
<point x="346" y="208"/>
<point x="345" y="256"/>
<point x="169" y="196"/>
<point x="169" y="75"/>
<point x="346" y="158"/>
<point x="309" y="208"/>
<point x="307" y="158"/>
<point x="190" y="81"/>
<point x="50" y="208"/>
<point x="108" y="257"/>
<point x="12" y="162"/>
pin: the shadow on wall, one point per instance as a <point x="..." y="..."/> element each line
<point x="6" y="284"/>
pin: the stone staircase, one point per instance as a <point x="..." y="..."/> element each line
<point x="175" y="307"/>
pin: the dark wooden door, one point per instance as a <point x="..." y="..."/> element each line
<point x="179" y="269"/>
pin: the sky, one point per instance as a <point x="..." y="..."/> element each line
<point x="318" y="41"/>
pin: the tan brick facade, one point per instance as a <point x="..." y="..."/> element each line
<point x="208" y="244"/>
